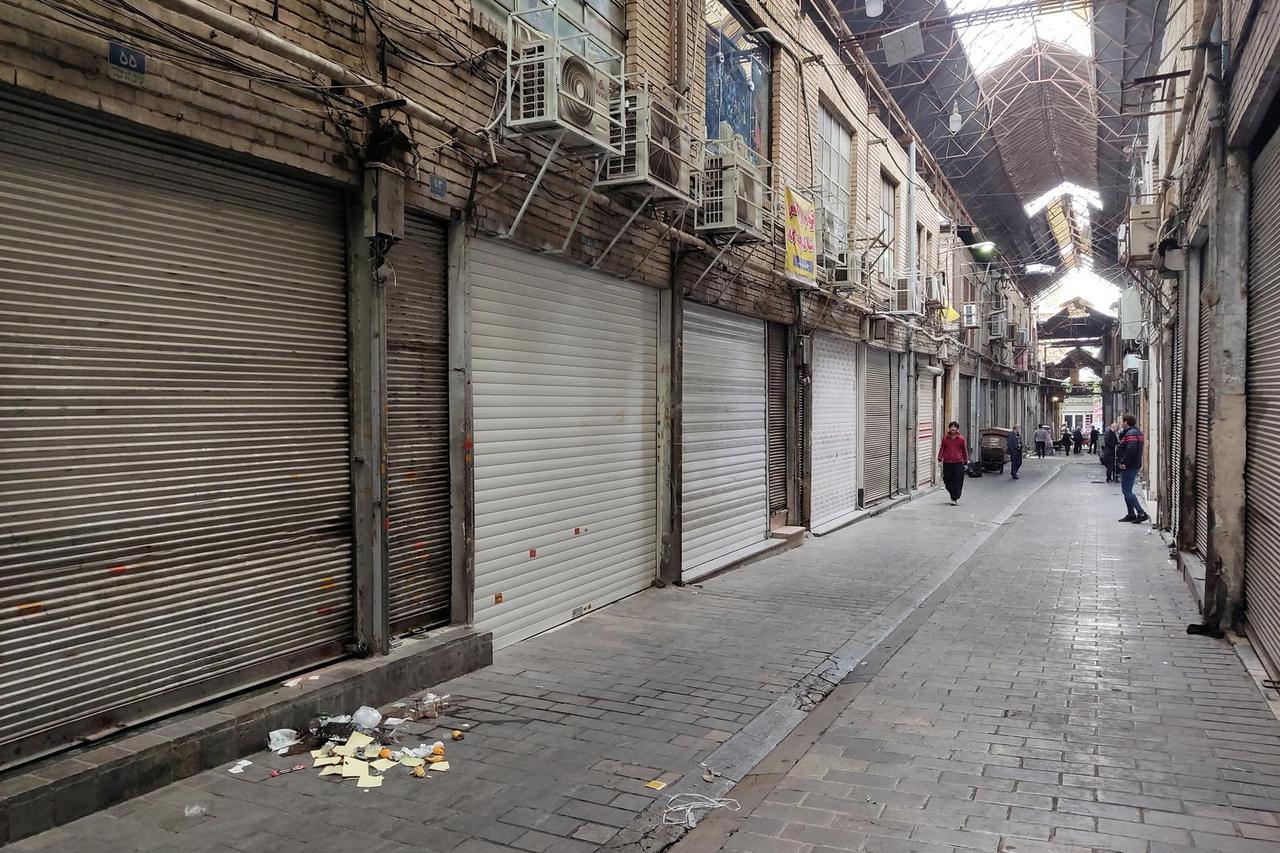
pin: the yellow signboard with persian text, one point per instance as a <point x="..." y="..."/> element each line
<point x="802" y="238"/>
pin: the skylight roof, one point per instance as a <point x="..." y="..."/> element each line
<point x="989" y="44"/>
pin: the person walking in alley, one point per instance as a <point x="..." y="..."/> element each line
<point x="1066" y="440"/>
<point x="954" y="456"/>
<point x="1129" y="463"/>
<point x="1014" y="442"/>
<point x="1077" y="438"/>
<point x="1042" y="439"/>
<point x="1109" y="443"/>
<point x="1094" y="435"/>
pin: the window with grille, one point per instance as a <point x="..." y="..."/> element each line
<point x="888" y="224"/>
<point x="835" y="179"/>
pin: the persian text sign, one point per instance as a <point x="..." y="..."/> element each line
<point x="802" y="232"/>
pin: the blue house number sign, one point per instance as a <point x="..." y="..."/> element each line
<point x="126" y="64"/>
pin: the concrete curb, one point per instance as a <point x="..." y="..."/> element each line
<point x="68" y="786"/>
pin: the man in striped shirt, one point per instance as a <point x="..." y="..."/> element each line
<point x="1129" y="462"/>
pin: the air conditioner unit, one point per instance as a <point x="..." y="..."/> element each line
<point x="995" y="329"/>
<point x="659" y="152"/>
<point x="1142" y="232"/>
<point x="875" y="328"/>
<point x="847" y="274"/>
<point x="1013" y="331"/>
<point x="906" y="297"/>
<point x="970" y="315"/>
<point x="565" y="82"/>
<point x="832" y="245"/>
<point x="735" y="190"/>
<point x="1024" y="337"/>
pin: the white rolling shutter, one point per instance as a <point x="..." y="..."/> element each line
<point x="926" y="431"/>
<point x="1262" y="468"/>
<point x="834" y="442"/>
<point x="175" y="496"/>
<point x="877" y="429"/>
<point x="724" y="496"/>
<point x="564" y="378"/>
<point x="1175" y="425"/>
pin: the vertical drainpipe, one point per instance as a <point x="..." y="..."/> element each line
<point x="907" y="418"/>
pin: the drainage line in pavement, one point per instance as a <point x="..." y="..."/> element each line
<point x="742" y="754"/>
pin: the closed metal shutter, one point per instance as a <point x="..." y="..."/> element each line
<point x="175" y="506"/>
<point x="1262" y="466"/>
<point x="964" y="409"/>
<point x="1175" y="426"/>
<point x="877" y="435"/>
<point x="777" y="418"/>
<point x="895" y="423"/>
<point x="418" y="538"/>
<point x="834" y="439"/>
<point x="564" y="379"/>
<point x="1202" y="435"/>
<point x="926" y="431"/>
<point x="724" y="491"/>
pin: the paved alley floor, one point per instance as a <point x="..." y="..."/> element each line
<point x="1046" y="698"/>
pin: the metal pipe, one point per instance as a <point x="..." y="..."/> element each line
<point x="681" y="82"/>
<point x="1205" y="26"/>
<point x="912" y="248"/>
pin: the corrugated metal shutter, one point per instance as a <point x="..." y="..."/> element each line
<point x="926" y="431"/>
<point x="777" y="418"/>
<point x="418" y="537"/>
<point x="175" y="506"/>
<point x="964" y="409"/>
<point x="834" y="439"/>
<point x="1262" y="467"/>
<point x="564" y="379"/>
<point x="895" y="423"/>
<point x="877" y="437"/>
<point x="1202" y="435"/>
<point x="724" y="494"/>
<point x="1175" y="426"/>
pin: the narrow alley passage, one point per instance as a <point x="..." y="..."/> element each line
<point x="1047" y="698"/>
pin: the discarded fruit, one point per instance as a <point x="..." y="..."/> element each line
<point x="457" y="735"/>
<point x="384" y="753"/>
<point x="419" y="771"/>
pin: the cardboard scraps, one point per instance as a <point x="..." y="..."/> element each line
<point x="369" y="782"/>
<point x="412" y="761"/>
<point x="354" y="767"/>
<point x="382" y="765"/>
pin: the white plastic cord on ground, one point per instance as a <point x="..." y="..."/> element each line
<point x="680" y="811"/>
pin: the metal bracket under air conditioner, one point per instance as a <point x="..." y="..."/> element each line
<point x="533" y="190"/>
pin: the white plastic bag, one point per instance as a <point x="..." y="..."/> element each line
<point x="366" y="718"/>
<point x="282" y="739"/>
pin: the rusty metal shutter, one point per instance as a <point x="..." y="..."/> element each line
<point x="926" y="431"/>
<point x="418" y="538"/>
<point x="777" y="336"/>
<point x="1202" y="435"/>
<point x="1175" y="425"/>
<point x="175" y="503"/>
<point x="877" y="425"/>
<point x="724" y="491"/>
<point x="1262" y="466"/>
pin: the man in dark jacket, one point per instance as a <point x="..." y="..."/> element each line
<point x="1110" y="442"/>
<point x="1078" y="438"/>
<point x="1129" y="462"/>
<point x="1014" y="442"/>
<point x="1094" y="435"/>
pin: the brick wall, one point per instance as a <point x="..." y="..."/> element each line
<point x="292" y="126"/>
